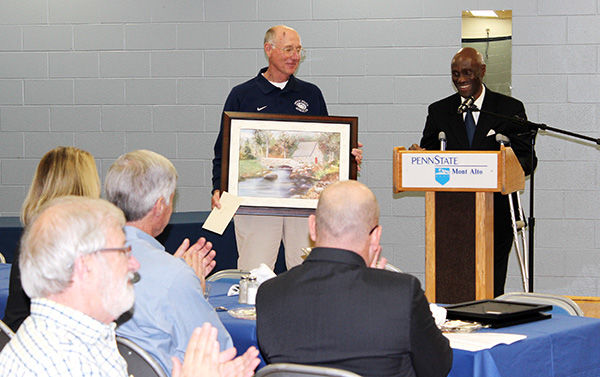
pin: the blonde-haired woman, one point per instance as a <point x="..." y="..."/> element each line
<point x="61" y="171"/>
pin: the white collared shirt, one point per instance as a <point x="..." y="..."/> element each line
<point x="478" y="103"/>
<point x="56" y="340"/>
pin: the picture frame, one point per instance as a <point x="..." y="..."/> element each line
<point x="278" y="164"/>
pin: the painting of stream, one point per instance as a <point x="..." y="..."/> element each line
<point x="287" y="164"/>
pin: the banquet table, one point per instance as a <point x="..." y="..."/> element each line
<point x="242" y="331"/>
<point x="560" y="346"/>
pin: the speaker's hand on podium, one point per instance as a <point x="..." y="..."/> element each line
<point x="415" y="147"/>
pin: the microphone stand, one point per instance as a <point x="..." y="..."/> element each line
<point x="532" y="129"/>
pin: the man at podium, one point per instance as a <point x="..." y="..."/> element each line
<point x="470" y="130"/>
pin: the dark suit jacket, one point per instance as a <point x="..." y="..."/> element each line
<point x="18" y="303"/>
<point x="443" y="116"/>
<point x="334" y="311"/>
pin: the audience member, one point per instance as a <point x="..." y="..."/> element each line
<point x="337" y="310"/>
<point x="66" y="171"/>
<point x="61" y="171"/>
<point x="79" y="274"/>
<point x="170" y="301"/>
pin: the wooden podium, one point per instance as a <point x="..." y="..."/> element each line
<point x="459" y="215"/>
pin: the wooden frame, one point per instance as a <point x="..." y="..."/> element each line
<point x="278" y="164"/>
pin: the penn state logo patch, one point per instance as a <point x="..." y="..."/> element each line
<point x="301" y="105"/>
<point x="442" y="175"/>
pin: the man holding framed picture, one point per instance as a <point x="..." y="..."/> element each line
<point x="274" y="90"/>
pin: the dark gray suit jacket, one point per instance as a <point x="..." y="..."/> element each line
<point x="334" y="311"/>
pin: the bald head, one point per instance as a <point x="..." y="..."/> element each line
<point x="279" y="32"/>
<point x="468" y="70"/>
<point x="347" y="212"/>
<point x="469" y="53"/>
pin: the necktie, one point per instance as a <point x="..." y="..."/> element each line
<point x="470" y="126"/>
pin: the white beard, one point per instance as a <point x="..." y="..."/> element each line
<point x="118" y="295"/>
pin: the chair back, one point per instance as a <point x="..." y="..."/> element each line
<point x="227" y="274"/>
<point x="139" y="362"/>
<point x="6" y="334"/>
<point x="560" y="304"/>
<point x="300" y="370"/>
<point x="4" y="284"/>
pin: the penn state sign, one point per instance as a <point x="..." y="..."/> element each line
<point x="450" y="170"/>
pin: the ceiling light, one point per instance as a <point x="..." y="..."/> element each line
<point x="484" y="13"/>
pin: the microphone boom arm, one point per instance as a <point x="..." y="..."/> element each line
<point x="536" y="126"/>
<point x="532" y="130"/>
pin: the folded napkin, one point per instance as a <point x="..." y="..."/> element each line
<point x="262" y="273"/>
<point x="439" y="314"/>
<point x="234" y="290"/>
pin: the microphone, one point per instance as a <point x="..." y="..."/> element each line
<point x="465" y="105"/>
<point x="503" y="140"/>
<point x="442" y="139"/>
<point x="135" y="277"/>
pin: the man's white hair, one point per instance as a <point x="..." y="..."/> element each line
<point x="64" y="229"/>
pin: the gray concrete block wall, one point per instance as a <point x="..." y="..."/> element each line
<point x="111" y="76"/>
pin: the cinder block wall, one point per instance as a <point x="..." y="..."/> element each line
<point x="110" y="76"/>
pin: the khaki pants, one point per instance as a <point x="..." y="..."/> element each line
<point x="258" y="239"/>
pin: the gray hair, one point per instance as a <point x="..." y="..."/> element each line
<point x="63" y="230"/>
<point x="346" y="210"/>
<point x="136" y="180"/>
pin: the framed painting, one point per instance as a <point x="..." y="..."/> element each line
<point x="279" y="164"/>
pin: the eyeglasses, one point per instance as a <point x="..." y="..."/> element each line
<point x="372" y="230"/>
<point x="289" y="50"/>
<point x="125" y="250"/>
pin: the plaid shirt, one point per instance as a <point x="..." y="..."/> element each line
<point x="56" y="340"/>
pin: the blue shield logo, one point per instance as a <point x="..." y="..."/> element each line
<point x="442" y="175"/>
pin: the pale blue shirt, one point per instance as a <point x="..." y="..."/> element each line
<point x="56" y="340"/>
<point x="169" y="302"/>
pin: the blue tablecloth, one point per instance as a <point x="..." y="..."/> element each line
<point x="4" y="281"/>
<point x="560" y="346"/>
<point x="242" y="331"/>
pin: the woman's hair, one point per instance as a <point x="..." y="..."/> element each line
<point x="62" y="171"/>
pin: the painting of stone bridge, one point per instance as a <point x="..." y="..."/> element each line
<point x="287" y="164"/>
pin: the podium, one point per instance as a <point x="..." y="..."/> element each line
<point x="459" y="191"/>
